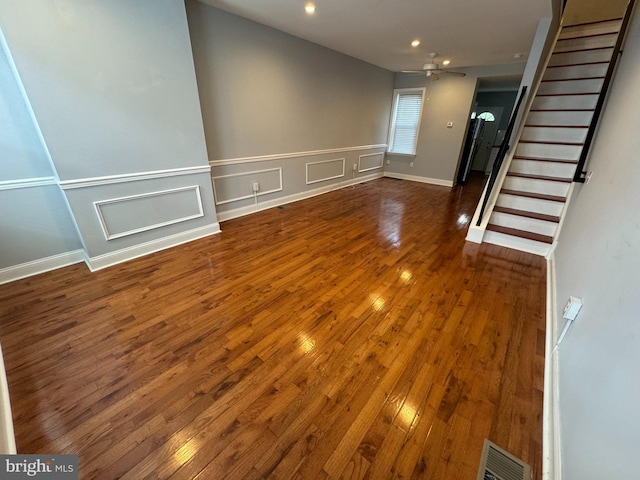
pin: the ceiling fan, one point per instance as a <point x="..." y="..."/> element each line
<point x="433" y="70"/>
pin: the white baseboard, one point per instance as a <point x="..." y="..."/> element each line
<point x="136" y="251"/>
<point x="42" y="265"/>
<point x="551" y="446"/>
<point x="242" y="211"/>
<point x="415" y="178"/>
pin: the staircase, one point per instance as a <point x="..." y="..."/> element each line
<point x="532" y="199"/>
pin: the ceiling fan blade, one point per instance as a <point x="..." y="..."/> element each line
<point x="413" y="71"/>
<point x="455" y="74"/>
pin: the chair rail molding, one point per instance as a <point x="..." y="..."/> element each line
<point x="131" y="177"/>
<point x="279" y="156"/>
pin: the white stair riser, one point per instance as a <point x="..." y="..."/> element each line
<point x="565" y="102"/>
<point x="531" y="185"/>
<point x="586" y="42"/>
<point x="551" y="134"/>
<point x="576" y="72"/>
<point x="527" y="204"/>
<point x="574" y="86"/>
<point x="546" y="150"/>
<point x="559" y="118"/>
<point x="593" y="29"/>
<point x="523" y="223"/>
<point x="517" y="243"/>
<point x="550" y="169"/>
<point x="587" y="56"/>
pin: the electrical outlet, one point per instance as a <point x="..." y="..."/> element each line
<point x="388" y="162"/>
<point x="256" y="187"/>
<point x="355" y="167"/>
<point x="411" y="164"/>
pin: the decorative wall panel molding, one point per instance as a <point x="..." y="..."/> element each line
<point x="226" y="188"/>
<point x="370" y="161"/>
<point x="324" y="170"/>
<point x="242" y="211"/>
<point x="132" y="177"/>
<point x="123" y="216"/>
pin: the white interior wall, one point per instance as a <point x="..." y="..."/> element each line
<point x="598" y="260"/>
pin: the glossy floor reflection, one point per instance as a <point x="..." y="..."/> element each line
<point x="351" y="335"/>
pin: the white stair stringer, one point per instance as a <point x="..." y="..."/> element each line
<point x="531" y="203"/>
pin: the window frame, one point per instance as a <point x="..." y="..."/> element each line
<point x="397" y="93"/>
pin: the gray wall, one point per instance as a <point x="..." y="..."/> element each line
<point x="113" y="88"/>
<point x="111" y="83"/>
<point x="287" y="101"/>
<point x="266" y="92"/>
<point x="598" y="260"/>
<point x="449" y="99"/>
<point x="34" y="219"/>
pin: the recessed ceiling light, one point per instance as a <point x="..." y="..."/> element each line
<point x="415" y="43"/>
<point x="446" y="62"/>
<point x="310" y="8"/>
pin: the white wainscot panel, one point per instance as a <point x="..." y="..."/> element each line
<point x="325" y="170"/>
<point x="239" y="186"/>
<point x="370" y="161"/>
<point x="133" y="214"/>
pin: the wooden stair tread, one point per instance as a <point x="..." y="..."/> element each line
<point x="524" y="213"/>
<point x="520" y="233"/>
<point x="572" y="79"/>
<point x="539" y="196"/>
<point x="537" y="159"/>
<point x="562" y="110"/>
<point x="617" y="19"/>
<point x="590" y="49"/>
<point x="575" y="94"/>
<point x="588" y="35"/>
<point x="578" y="64"/>
<point x="532" y="125"/>
<point x="550" y="142"/>
<point x="539" y="177"/>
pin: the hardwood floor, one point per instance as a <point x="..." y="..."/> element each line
<point x="352" y="335"/>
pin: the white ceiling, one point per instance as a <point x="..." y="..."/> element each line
<point x="469" y="32"/>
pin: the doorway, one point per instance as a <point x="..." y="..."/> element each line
<point x="492" y="117"/>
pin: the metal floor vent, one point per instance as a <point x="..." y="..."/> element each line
<point x="496" y="464"/>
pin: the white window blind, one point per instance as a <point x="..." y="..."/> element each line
<point x="406" y="121"/>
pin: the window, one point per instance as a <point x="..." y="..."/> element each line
<point x="405" y="121"/>
<point x="488" y="116"/>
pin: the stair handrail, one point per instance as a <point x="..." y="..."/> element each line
<point x="502" y="152"/>
<point x="580" y="175"/>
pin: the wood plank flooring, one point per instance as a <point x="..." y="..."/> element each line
<point x="353" y="335"/>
